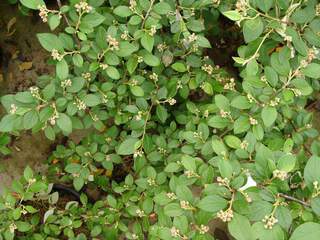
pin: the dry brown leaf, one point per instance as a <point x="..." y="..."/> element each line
<point x="25" y="66"/>
<point x="10" y="24"/>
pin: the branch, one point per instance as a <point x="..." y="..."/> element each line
<point x="68" y="23"/>
<point x="293" y="199"/>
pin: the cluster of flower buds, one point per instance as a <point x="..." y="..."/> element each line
<point x="185" y="205"/>
<point x="316" y="191"/>
<point x="153" y="76"/>
<point x="43" y="13"/>
<point x="80" y="104"/>
<point x="207" y="68"/>
<point x="223" y="181"/>
<point x="56" y="55"/>
<point x="13" y="109"/>
<point x="151" y="181"/>
<point x="161" y="47"/>
<point x="282" y="175"/>
<point x="35" y="92"/>
<point x="66" y="83"/>
<point x="113" y="43"/>
<point x="132" y="5"/>
<point x="171" y="195"/>
<point x="275" y="102"/>
<point x="140" y="213"/>
<point x="230" y="85"/>
<point x="153" y="30"/>
<point x="203" y="229"/>
<point x="86" y="76"/>
<point x="225" y="114"/>
<point x="83" y="6"/>
<point x="172" y="101"/>
<point x="253" y="121"/>
<point x="225" y="216"/>
<point x="138" y="153"/>
<point x="269" y="221"/>
<point x="190" y="174"/>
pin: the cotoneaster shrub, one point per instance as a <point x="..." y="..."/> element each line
<point x="196" y="145"/>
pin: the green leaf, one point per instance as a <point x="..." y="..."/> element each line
<point x="73" y="168"/>
<point x="189" y="163"/>
<point x="132" y="64"/>
<point x="128" y="146"/>
<point x="23" y="226"/>
<point x="77" y="60"/>
<point x="241" y="125"/>
<point x="222" y="102"/>
<point x="312" y="70"/>
<point x="218" y="122"/>
<point x="7" y="123"/>
<point x="218" y="147"/>
<point x="64" y="123"/>
<point x="92" y="100"/>
<point x="162" y="8"/>
<point x="162" y="113"/>
<point x="32" y="4"/>
<point x="240" y="228"/>
<point x="54" y="21"/>
<point x="78" y="183"/>
<point x="265" y="5"/>
<point x="173" y="210"/>
<point x="30" y="119"/>
<point x="287" y="162"/>
<point x="62" y="69"/>
<point x="28" y="173"/>
<point x="151" y="60"/>
<point x="315" y="205"/>
<point x="252" y="29"/>
<point x="179" y="67"/>
<point x="50" y="41"/>
<point x="93" y="19"/>
<point x="137" y="91"/>
<point x="269" y="115"/>
<point x="122" y="11"/>
<point x="232" y="141"/>
<point x="113" y="72"/>
<point x="312" y="170"/>
<point x="306" y="231"/>
<point x="212" y="203"/>
<point x="240" y="102"/>
<point x="276" y="233"/>
<point x="147" y="42"/>
<point x="233" y="15"/>
<point x="126" y="49"/>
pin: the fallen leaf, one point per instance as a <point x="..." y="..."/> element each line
<point x="10" y="24"/>
<point x="25" y="66"/>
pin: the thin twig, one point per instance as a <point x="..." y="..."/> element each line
<point x="148" y="13"/>
<point x="68" y="23"/>
<point x="290" y="198"/>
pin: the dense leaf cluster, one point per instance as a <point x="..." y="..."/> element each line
<point x="195" y="145"/>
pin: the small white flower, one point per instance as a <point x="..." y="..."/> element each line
<point x="172" y="101"/>
<point x="269" y="221"/>
<point x="253" y="121"/>
<point x="282" y="175"/>
<point x="83" y="6"/>
<point x="203" y="229"/>
<point x="56" y="55"/>
<point x="225" y="216"/>
<point x="66" y="83"/>
<point x="13" y="109"/>
<point x="140" y="213"/>
<point x="113" y="43"/>
<point x="153" y="30"/>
